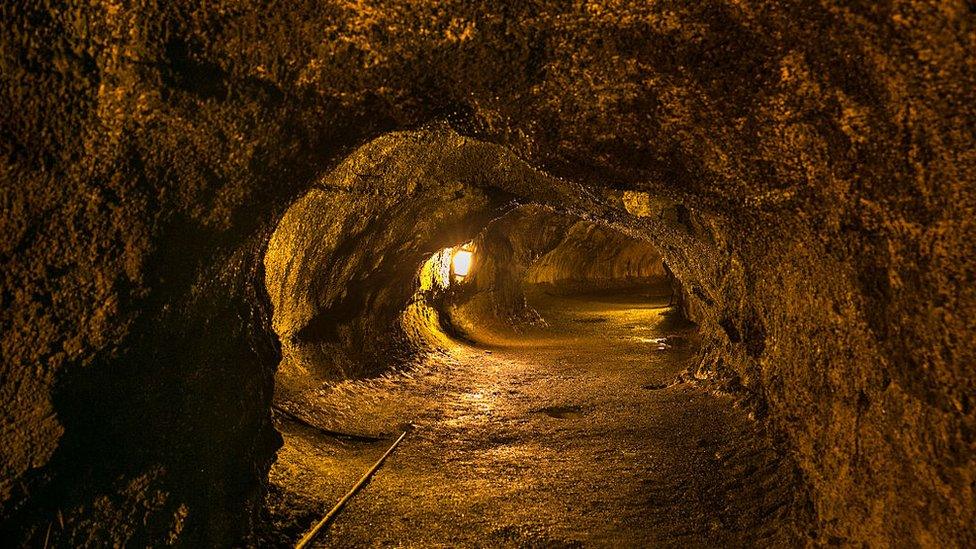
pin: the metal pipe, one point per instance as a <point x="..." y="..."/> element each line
<point x="308" y="537"/>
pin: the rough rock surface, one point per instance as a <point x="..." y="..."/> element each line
<point x="590" y="255"/>
<point x="810" y="169"/>
<point x="554" y="247"/>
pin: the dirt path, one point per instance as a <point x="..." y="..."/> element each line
<point x="563" y="439"/>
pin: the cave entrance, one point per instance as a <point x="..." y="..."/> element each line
<point x="531" y="341"/>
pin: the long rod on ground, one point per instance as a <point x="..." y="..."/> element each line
<point x="308" y="537"/>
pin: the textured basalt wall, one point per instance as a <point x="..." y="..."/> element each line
<point x="591" y="256"/>
<point x="342" y="263"/>
<point x="814" y="162"/>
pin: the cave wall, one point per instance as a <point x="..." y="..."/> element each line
<point x="594" y="257"/>
<point x="821" y="154"/>
<point x="548" y="245"/>
<point x="343" y="262"/>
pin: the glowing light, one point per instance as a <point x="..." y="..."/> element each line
<point x="461" y="262"/>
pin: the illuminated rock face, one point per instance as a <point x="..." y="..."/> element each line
<point x="554" y="247"/>
<point x="809" y="172"/>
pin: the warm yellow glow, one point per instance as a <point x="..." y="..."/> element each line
<point x="436" y="271"/>
<point x="461" y="262"/>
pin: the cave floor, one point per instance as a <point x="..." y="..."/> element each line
<point x="568" y="436"/>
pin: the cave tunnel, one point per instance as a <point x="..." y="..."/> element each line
<point x="506" y="325"/>
<point x="599" y="273"/>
